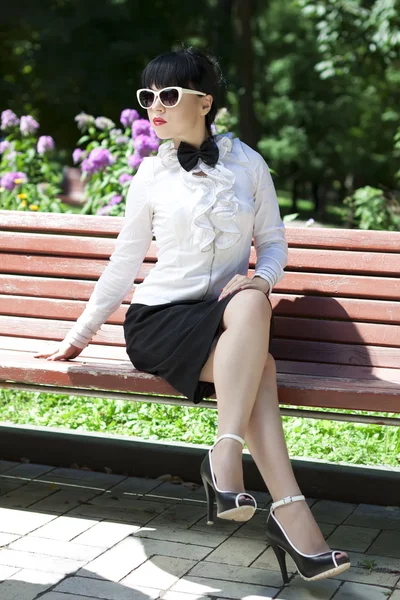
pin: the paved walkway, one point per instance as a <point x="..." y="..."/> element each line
<point x="73" y="534"/>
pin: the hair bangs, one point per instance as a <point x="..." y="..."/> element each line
<point x="171" y="68"/>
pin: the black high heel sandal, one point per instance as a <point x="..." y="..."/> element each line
<point x="234" y="506"/>
<point x="310" y="566"/>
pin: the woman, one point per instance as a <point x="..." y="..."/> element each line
<point x="197" y="319"/>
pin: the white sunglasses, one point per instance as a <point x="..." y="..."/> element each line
<point x="169" y="96"/>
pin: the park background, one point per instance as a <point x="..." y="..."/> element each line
<point x="312" y="85"/>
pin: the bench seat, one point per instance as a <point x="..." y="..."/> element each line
<point x="337" y="310"/>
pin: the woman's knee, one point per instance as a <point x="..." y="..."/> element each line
<point x="249" y="304"/>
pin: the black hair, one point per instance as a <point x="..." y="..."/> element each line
<point x="188" y="68"/>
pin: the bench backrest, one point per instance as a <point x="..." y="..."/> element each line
<point x="338" y="304"/>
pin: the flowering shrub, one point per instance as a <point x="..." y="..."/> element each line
<point x="29" y="178"/>
<point x="109" y="157"/>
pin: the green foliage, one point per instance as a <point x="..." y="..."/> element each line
<point x="36" y="186"/>
<point x="369" y="208"/>
<point x="332" y="441"/>
<point x="103" y="185"/>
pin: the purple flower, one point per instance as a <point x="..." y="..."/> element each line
<point x="141" y="127"/>
<point x="124" y="178"/>
<point x="9" y="119"/>
<point x="98" y="159"/>
<point x="83" y="121"/>
<point x="134" y="160"/>
<point x="104" y="123"/>
<point x="122" y="139"/>
<point x="104" y="210"/>
<point x="28" y="125"/>
<point x="144" y="144"/>
<point x="78" y="155"/>
<point x="115" y="200"/>
<point x="4" y="146"/>
<point x="87" y="166"/>
<point x="45" y="144"/>
<point x="128" y="116"/>
<point x="10" y="180"/>
<point x="309" y="222"/>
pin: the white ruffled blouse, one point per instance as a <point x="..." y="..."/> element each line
<point x="203" y="226"/>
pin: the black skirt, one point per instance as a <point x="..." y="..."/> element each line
<point x="174" y="341"/>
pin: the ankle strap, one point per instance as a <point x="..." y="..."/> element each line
<point x="286" y="500"/>
<point x="229" y="435"/>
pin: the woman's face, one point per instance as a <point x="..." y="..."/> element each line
<point x="186" y="118"/>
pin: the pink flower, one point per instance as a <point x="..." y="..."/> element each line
<point x="124" y="178"/>
<point x="28" y="125"/>
<point x="98" y="159"/>
<point x="141" y="127"/>
<point x="128" y="116"/>
<point x="45" y="144"/>
<point x="12" y="179"/>
<point x="78" y="155"/>
<point x="134" y="160"/>
<point x="9" y="119"/>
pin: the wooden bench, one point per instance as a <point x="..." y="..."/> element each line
<point x="337" y="338"/>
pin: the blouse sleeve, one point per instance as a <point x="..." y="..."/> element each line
<point x="120" y="273"/>
<point x="269" y="231"/>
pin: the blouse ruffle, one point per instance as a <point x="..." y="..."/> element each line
<point x="215" y="211"/>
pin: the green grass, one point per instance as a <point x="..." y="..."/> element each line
<point x="332" y="441"/>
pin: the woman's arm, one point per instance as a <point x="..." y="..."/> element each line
<point x="119" y="275"/>
<point x="269" y="230"/>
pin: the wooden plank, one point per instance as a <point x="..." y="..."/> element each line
<point x="300" y="259"/>
<point x="383" y="288"/>
<point x="106" y="354"/>
<point x="373" y="334"/>
<point x="294" y="389"/>
<point x="95" y="351"/>
<point x="345" y="239"/>
<point x="314" y="237"/>
<point x="338" y="261"/>
<point x="282" y="349"/>
<point x="333" y="353"/>
<point x="341" y="309"/>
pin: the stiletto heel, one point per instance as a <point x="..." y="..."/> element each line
<point x="234" y="506"/>
<point x="309" y="566"/>
<point x="210" y="495"/>
<point x="281" y="556"/>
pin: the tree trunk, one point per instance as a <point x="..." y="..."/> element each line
<point x="222" y="40"/>
<point x="244" y="59"/>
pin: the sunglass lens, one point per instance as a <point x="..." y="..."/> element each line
<point x="146" y="98"/>
<point x="169" y="97"/>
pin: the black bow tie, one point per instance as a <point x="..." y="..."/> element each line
<point x="189" y="156"/>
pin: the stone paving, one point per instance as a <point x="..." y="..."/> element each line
<point x="74" y="534"/>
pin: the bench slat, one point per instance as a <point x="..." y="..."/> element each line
<point x="341" y="309"/>
<point x="310" y="284"/>
<point x="334" y="353"/>
<point x="85" y="248"/>
<point x="304" y="390"/>
<point x="346" y="239"/>
<point x="342" y="285"/>
<point x="94" y="352"/>
<point x="287" y="328"/>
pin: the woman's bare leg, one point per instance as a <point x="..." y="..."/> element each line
<point x="266" y="442"/>
<point x="264" y="433"/>
<point x="236" y="365"/>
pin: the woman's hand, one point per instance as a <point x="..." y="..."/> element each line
<point x="241" y="282"/>
<point x="65" y="350"/>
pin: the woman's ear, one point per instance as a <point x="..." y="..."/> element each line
<point x="207" y="103"/>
